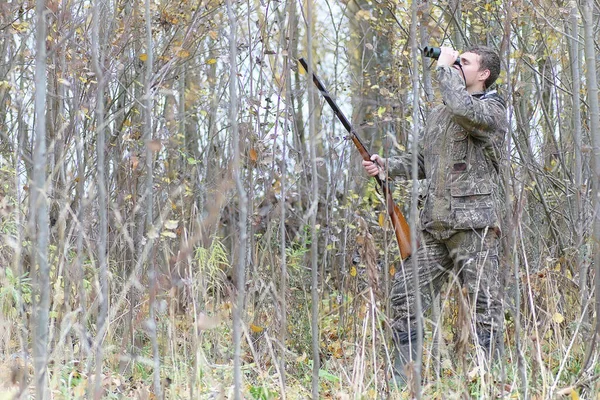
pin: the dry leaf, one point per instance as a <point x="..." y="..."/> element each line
<point x="569" y="391"/>
<point x="381" y="219"/>
<point x="154" y="145"/>
<point x="183" y="53"/>
<point x="253" y="154"/>
<point x="171" y="224"/>
<point x="134" y="162"/>
<point x="558" y="318"/>
<point x="256" y="328"/>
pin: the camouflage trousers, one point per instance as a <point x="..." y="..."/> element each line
<point x="466" y="258"/>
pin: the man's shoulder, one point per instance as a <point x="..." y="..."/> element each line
<point x="492" y="95"/>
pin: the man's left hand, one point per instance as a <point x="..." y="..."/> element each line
<point x="447" y="56"/>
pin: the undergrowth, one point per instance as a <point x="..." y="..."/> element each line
<point x="194" y="323"/>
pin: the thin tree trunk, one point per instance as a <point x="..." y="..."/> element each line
<point x="312" y="213"/>
<point x="581" y="267"/>
<point x="511" y="219"/>
<point x="594" y="124"/>
<point x="22" y="234"/>
<point x="240" y="268"/>
<point x="414" y="200"/>
<point x="102" y="197"/>
<point x="39" y="220"/>
<point x="291" y="33"/>
<point x="149" y="197"/>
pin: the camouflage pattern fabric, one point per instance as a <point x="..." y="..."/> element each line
<point x="468" y="258"/>
<point x="460" y="153"/>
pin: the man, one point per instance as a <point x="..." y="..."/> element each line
<point x="460" y="152"/>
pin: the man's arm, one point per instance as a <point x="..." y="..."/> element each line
<point x="479" y="117"/>
<point x="396" y="166"/>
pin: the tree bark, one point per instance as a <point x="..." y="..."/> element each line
<point x="594" y="124"/>
<point x="39" y="219"/>
<point x="240" y="267"/>
<point x="103" y="302"/>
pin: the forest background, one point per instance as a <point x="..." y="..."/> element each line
<point x="182" y="217"/>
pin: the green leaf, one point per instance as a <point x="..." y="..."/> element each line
<point x="328" y="376"/>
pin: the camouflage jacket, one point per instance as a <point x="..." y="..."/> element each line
<point x="460" y="152"/>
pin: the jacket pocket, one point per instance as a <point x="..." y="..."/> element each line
<point x="460" y="146"/>
<point x="472" y="204"/>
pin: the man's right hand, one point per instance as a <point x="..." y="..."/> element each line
<point x="375" y="166"/>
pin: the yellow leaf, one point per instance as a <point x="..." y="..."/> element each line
<point x="171" y="224"/>
<point x="143" y="57"/>
<point x="353" y="271"/>
<point x="558" y="318"/>
<point x="183" y="53"/>
<point x="381" y="219"/>
<point x="569" y="391"/>
<point x="211" y="61"/>
<point x="392" y="271"/>
<point x="256" y="328"/>
<point x="79" y="390"/>
<point x="169" y="234"/>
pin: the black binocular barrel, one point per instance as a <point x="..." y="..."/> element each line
<point x="434" y="52"/>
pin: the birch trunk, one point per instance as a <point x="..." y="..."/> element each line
<point x="240" y="267"/>
<point x="39" y="219"/>
<point x="581" y="267"/>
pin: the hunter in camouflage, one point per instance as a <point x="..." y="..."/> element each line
<point x="460" y="153"/>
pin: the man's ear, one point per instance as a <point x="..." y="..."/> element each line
<point x="483" y="75"/>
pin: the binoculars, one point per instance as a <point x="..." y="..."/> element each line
<point x="434" y="52"/>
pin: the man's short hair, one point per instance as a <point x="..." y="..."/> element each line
<point x="488" y="59"/>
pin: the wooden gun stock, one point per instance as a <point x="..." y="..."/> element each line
<point x="401" y="228"/>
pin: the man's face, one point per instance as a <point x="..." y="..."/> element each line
<point x="474" y="77"/>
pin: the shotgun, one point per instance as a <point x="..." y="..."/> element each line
<point x="401" y="228"/>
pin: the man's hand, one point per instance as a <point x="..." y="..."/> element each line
<point x="447" y="56"/>
<point x="375" y="166"/>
